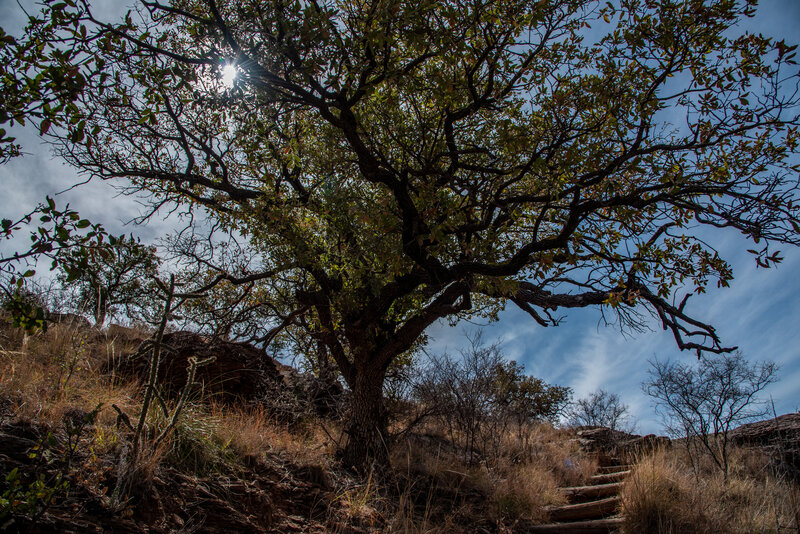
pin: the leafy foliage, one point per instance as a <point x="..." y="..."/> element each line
<point x="117" y="276"/>
<point x="528" y="398"/>
<point x="27" y="496"/>
<point x="42" y="77"/>
<point x="62" y="237"/>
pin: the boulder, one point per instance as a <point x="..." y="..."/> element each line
<point x="238" y="371"/>
<point x="642" y="444"/>
<point x="778" y="437"/>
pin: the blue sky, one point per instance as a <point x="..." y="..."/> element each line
<point x="759" y="312"/>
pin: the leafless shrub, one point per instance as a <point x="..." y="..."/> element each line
<point x="708" y="401"/>
<point x="600" y="408"/>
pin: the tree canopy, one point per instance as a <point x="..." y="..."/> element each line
<point x="397" y="162"/>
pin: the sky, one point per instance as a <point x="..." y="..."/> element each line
<point x="759" y="313"/>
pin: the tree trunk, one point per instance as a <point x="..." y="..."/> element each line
<point x="102" y="307"/>
<point x="367" y="439"/>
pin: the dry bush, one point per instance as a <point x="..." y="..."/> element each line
<point x="530" y="476"/>
<point x="524" y="491"/>
<point x="480" y="398"/>
<point x="662" y="495"/>
<point x="556" y="450"/>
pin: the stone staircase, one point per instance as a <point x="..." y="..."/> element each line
<point x="591" y="509"/>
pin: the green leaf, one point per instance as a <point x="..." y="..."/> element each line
<point x="72" y="275"/>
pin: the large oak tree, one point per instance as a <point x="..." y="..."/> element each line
<point x="395" y="162"/>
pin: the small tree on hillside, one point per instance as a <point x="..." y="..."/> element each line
<point x="525" y="398"/>
<point x="115" y="278"/>
<point x="479" y="395"/>
<point x="600" y="408"/>
<point x="706" y="401"/>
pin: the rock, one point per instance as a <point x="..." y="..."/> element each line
<point x="784" y="429"/>
<point x="779" y="437"/>
<point x="642" y="444"/>
<point x="238" y="371"/>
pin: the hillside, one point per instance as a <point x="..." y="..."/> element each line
<point x="253" y="450"/>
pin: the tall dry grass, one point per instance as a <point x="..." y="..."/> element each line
<point x="664" y="495"/>
<point x="514" y="486"/>
<point x="44" y="376"/>
<point x="251" y="432"/>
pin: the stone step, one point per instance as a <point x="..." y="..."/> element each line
<point x="598" y="526"/>
<point x="590" y="510"/>
<point x="576" y="494"/>
<point x="613" y="468"/>
<point x="607" y="478"/>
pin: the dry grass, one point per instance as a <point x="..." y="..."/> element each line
<point x="663" y="495"/>
<point x="44" y="376"/>
<point x="512" y="487"/>
<point x="250" y="432"/>
<point x="431" y="489"/>
<point x="524" y="492"/>
<point x="56" y="372"/>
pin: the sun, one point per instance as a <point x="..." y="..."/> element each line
<point x="228" y="75"/>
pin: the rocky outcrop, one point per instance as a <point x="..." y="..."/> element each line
<point x="614" y="443"/>
<point x="238" y="372"/>
<point x="784" y="429"/>
<point x="642" y="444"/>
<point x="779" y="437"/>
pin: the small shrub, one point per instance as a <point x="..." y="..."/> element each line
<point x="480" y="398"/>
<point x="193" y="445"/>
